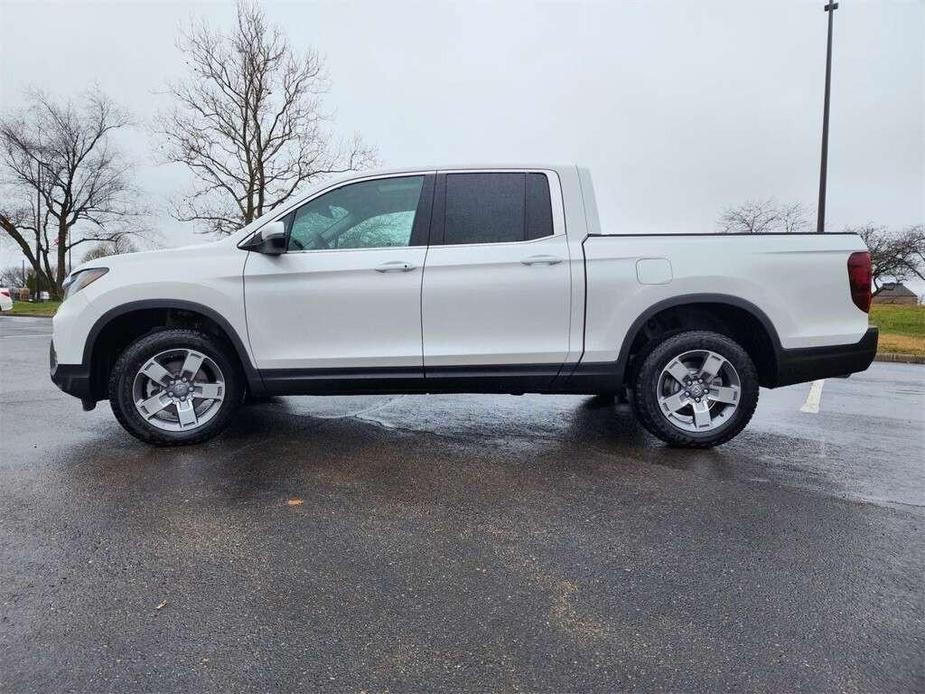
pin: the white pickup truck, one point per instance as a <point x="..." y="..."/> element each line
<point x="465" y="279"/>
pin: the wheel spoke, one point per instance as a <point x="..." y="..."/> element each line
<point x="711" y="366"/>
<point x="186" y="413"/>
<point x="157" y="373"/>
<point x="153" y="405"/>
<point x="678" y="371"/>
<point x="702" y="414"/>
<point x="675" y="402"/>
<point x="209" y="391"/>
<point x="724" y="394"/>
<point x="191" y="365"/>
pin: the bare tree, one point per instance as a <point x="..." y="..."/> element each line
<point x="895" y="256"/>
<point x="248" y="123"/>
<point x="751" y="217"/>
<point x="104" y="249"/>
<point x="764" y="216"/>
<point x="13" y="276"/>
<point x="794" y="217"/>
<point x="64" y="184"/>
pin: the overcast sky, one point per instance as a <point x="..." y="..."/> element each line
<point x="680" y="108"/>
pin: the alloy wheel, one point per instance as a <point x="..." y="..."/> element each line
<point x="698" y="391"/>
<point x="178" y="390"/>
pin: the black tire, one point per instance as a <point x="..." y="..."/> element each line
<point x="645" y="397"/>
<point x="122" y="378"/>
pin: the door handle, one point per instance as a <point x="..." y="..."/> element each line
<point x="395" y="266"/>
<point x="542" y="260"/>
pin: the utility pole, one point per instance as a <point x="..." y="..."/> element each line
<point x="823" y="167"/>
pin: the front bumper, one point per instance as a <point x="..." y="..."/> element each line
<point x="73" y="379"/>
<point x="812" y="363"/>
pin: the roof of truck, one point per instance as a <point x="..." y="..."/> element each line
<point x="455" y="167"/>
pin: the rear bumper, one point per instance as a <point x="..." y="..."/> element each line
<point x="73" y="379"/>
<point x="810" y="364"/>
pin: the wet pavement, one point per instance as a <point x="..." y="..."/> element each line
<point x="445" y="543"/>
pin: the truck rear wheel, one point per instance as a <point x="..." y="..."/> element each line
<point x="175" y="387"/>
<point x="696" y="389"/>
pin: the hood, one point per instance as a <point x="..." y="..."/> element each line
<point x="141" y="257"/>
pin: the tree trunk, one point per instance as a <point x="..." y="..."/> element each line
<point x="62" y="270"/>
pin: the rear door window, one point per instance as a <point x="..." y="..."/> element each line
<point x="496" y="208"/>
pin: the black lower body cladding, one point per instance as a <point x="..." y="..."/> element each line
<point x="812" y="363"/>
<point x="73" y="379"/>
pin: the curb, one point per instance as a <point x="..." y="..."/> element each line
<point x="901" y="358"/>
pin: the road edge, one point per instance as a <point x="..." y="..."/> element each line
<point x="25" y="315"/>
<point x="900" y="358"/>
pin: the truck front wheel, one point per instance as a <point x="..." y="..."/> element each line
<point x="696" y="389"/>
<point x="175" y="387"/>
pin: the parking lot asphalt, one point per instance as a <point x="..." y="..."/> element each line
<point x="446" y="543"/>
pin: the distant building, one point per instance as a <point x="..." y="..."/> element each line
<point x="899" y="294"/>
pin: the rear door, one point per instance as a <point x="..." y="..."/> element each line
<point x="496" y="293"/>
<point x="346" y="296"/>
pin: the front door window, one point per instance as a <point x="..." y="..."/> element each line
<point x="368" y="214"/>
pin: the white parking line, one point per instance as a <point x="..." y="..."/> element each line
<point x="13" y="337"/>
<point x="814" y="399"/>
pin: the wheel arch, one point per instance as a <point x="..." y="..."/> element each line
<point x="120" y="326"/>
<point x="732" y="316"/>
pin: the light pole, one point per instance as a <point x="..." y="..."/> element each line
<point x="823" y="167"/>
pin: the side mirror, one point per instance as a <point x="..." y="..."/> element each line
<point x="270" y="240"/>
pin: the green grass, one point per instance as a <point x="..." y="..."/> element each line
<point x="899" y="320"/>
<point x="27" y="308"/>
<point x="902" y="328"/>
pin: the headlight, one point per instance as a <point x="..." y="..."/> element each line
<point x="81" y="279"/>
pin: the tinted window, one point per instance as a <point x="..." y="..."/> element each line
<point x="539" y="209"/>
<point x="484" y="207"/>
<point x="496" y="207"/>
<point x="369" y="214"/>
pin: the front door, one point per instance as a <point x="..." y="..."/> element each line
<point x="345" y="299"/>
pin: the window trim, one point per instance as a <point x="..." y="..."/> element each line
<point x="434" y="209"/>
<point x="438" y="214"/>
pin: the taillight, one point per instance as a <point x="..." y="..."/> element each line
<point x="859" y="276"/>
